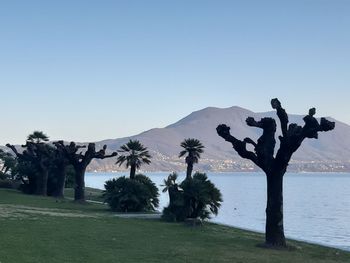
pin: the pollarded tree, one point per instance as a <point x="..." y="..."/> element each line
<point x="193" y="148"/>
<point x="60" y="163"/>
<point x="80" y="161"/>
<point x="39" y="154"/>
<point x="133" y="154"/>
<point x="275" y="166"/>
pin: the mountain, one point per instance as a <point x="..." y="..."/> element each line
<point x="331" y="152"/>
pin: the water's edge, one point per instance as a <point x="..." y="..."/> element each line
<point x="317" y="205"/>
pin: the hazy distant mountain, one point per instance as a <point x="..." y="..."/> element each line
<point x="331" y="152"/>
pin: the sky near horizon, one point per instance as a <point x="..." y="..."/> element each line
<point x="91" y="70"/>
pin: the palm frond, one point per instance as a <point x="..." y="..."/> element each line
<point x="133" y="153"/>
<point x="192" y="147"/>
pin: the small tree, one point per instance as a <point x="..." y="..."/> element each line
<point x="193" y="148"/>
<point x="275" y="166"/>
<point x="133" y="154"/>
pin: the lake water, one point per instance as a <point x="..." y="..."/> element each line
<point x="316" y="205"/>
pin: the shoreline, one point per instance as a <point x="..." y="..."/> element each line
<point x="296" y="237"/>
<point x="287" y="237"/>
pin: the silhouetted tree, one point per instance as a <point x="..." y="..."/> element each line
<point x="39" y="154"/>
<point x="275" y="166"/>
<point x="134" y="154"/>
<point x="61" y="162"/>
<point x="193" y="148"/>
<point x="80" y="161"/>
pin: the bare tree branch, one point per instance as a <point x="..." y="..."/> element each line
<point x="282" y="115"/>
<point x="239" y="146"/>
<point x="13" y="148"/>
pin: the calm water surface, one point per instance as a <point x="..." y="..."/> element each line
<point x="316" y="205"/>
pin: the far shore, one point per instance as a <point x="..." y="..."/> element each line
<point x="220" y="172"/>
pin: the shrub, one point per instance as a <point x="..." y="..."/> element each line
<point x="3" y="176"/>
<point x="201" y="197"/>
<point x="131" y="195"/>
<point x="9" y="184"/>
<point x="195" y="197"/>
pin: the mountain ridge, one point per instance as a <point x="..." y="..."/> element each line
<point x="331" y="152"/>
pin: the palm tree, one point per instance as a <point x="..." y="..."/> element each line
<point x="170" y="182"/>
<point x="37" y="137"/>
<point x="171" y="186"/>
<point x="193" y="148"/>
<point x="134" y="154"/>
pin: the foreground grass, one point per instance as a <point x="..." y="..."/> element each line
<point x="95" y="235"/>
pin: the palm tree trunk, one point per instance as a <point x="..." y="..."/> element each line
<point x="274" y="235"/>
<point x="132" y="171"/>
<point x="189" y="170"/>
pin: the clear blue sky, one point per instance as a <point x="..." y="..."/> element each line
<point x="91" y="70"/>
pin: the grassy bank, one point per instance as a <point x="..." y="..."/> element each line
<point x="38" y="229"/>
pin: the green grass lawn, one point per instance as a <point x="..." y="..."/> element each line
<point x="90" y="194"/>
<point x="39" y="229"/>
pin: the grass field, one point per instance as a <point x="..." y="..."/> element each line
<point x="90" y="194"/>
<point x="42" y="229"/>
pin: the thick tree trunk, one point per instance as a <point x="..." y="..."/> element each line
<point x="41" y="187"/>
<point x="45" y="179"/>
<point x="189" y="171"/>
<point x="79" y="188"/>
<point x="132" y="172"/>
<point x="59" y="192"/>
<point x="274" y="235"/>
